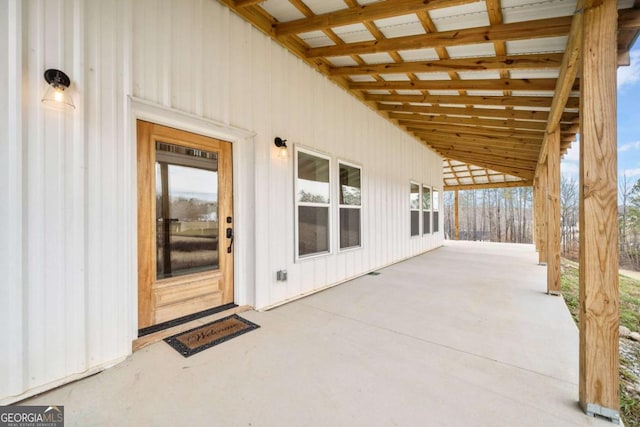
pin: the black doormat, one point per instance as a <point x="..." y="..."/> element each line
<point x="201" y="338"/>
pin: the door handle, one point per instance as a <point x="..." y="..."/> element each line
<point x="229" y="236"/>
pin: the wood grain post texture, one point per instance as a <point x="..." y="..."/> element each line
<point x="553" y="212"/>
<point x="536" y="213"/>
<point x="457" y="225"/>
<point x="599" y="318"/>
<point x="542" y="215"/>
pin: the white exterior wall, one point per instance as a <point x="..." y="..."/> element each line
<point x="68" y="180"/>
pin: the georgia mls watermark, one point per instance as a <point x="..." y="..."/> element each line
<point x="31" y="416"/>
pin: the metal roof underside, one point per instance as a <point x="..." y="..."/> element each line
<point x="473" y="80"/>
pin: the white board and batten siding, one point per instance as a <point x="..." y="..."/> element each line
<point x="68" y="179"/>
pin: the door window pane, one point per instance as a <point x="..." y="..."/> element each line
<point x="186" y="211"/>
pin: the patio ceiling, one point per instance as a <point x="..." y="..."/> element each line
<point x="479" y="82"/>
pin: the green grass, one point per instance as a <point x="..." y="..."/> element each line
<point x="629" y="317"/>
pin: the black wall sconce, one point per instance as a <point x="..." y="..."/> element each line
<point x="56" y="95"/>
<point x="282" y="147"/>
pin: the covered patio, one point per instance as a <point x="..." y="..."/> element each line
<point x="428" y="341"/>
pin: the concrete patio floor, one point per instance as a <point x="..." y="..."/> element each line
<point x="461" y="336"/>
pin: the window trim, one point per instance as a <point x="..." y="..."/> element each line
<point x="433" y="209"/>
<point x="430" y="210"/>
<point x="298" y="258"/>
<point x="340" y="206"/>
<point x="419" y="210"/>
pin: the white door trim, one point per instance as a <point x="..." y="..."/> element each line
<point x="243" y="191"/>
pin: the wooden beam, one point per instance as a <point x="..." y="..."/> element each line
<point x="498" y="158"/>
<point x="485" y="84"/>
<point x="367" y="12"/>
<point x="453" y="171"/>
<point x="504" y="32"/>
<point x="457" y="219"/>
<point x="506" y="157"/>
<point x="568" y="73"/>
<point x="470" y="122"/>
<point x="245" y="3"/>
<point x="629" y="19"/>
<point x="469" y="131"/>
<point x="523" y="161"/>
<point x="480" y="186"/>
<point x="496" y="63"/>
<point x="540" y="116"/>
<point x="553" y="213"/>
<point x="542" y="215"/>
<point x="505" y="101"/>
<point x="498" y="167"/>
<point x="599" y="299"/>
<point x="536" y="220"/>
<point x="479" y="141"/>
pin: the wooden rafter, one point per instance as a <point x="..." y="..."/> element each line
<point x="486" y="84"/>
<point x="504" y="184"/>
<point x="496" y="63"/>
<point x="485" y="118"/>
<point x="504" y="101"/>
<point x="534" y="115"/>
<point x="568" y="73"/>
<point x="462" y="131"/>
<point x="552" y="27"/>
<point x="461" y="121"/>
<point x="369" y="12"/>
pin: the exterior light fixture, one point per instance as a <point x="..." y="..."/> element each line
<point x="56" y="96"/>
<point x="282" y="147"/>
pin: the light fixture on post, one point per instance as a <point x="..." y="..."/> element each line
<point x="282" y="147"/>
<point x="56" y="95"/>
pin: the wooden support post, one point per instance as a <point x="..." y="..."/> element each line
<point x="457" y="234"/>
<point x="542" y="216"/>
<point x="599" y="318"/>
<point x="536" y="214"/>
<point x="553" y="212"/>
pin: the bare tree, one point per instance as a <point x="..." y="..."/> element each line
<point x="501" y="215"/>
<point x="568" y="216"/>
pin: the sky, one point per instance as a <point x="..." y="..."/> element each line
<point x="628" y="125"/>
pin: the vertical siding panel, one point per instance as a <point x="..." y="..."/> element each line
<point x="36" y="230"/>
<point x="209" y="69"/>
<point x="12" y="323"/>
<point x="196" y="49"/>
<point x="75" y="250"/>
<point x="109" y="178"/>
<point x="261" y="60"/>
<point x="281" y="97"/>
<point x="180" y="84"/>
<point x="78" y="186"/>
<point x="52" y="185"/>
<point x="95" y="206"/>
<point x="240" y="95"/>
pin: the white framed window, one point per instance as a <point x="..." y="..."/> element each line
<point x="436" y="208"/>
<point x="350" y="205"/>
<point x="414" y="207"/>
<point x="312" y="203"/>
<point x="426" y="209"/>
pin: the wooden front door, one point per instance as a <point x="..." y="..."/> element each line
<point x="185" y="223"/>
